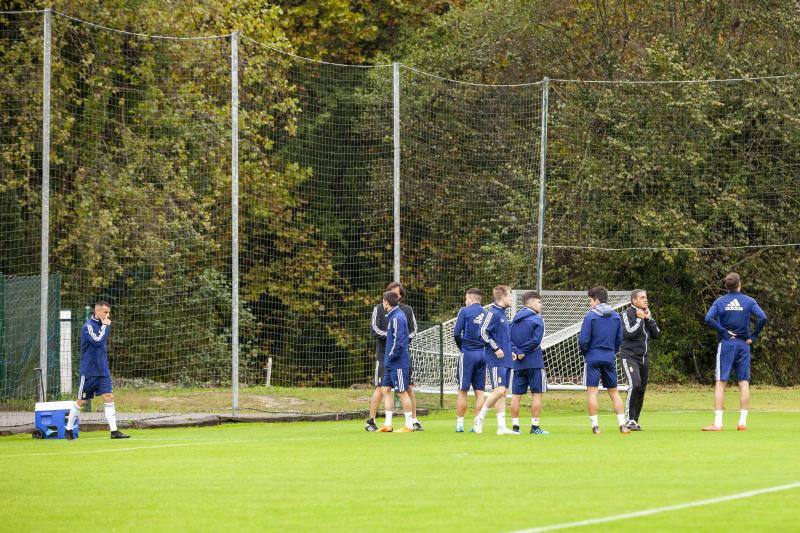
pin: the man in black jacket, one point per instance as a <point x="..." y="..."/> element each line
<point x="378" y="326"/>
<point x="638" y="327"/>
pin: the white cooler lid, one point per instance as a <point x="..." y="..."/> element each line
<point x="54" y="406"/>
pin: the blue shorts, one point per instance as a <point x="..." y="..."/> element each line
<point x="534" y="379"/>
<point x="396" y="378"/>
<point x="733" y="355"/>
<point x="499" y="376"/>
<point x="92" y="386"/>
<point x="471" y="371"/>
<point x="595" y="372"/>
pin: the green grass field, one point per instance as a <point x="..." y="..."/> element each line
<point x="335" y="476"/>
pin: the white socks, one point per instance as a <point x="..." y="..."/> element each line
<point x="535" y="422"/>
<point x="501" y="420"/>
<point x="73" y="414"/>
<point x="593" y="420"/>
<point x="111" y="416"/>
<point x="388" y="421"/>
<point x="743" y="417"/>
<point x="621" y="419"/>
<point x="484" y="412"/>
<point x="718" y="418"/>
<point x="460" y="421"/>
<point x="409" y="420"/>
<point x="515" y="421"/>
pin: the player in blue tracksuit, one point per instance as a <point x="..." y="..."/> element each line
<point x="730" y="315"/>
<point x="499" y="354"/>
<point x="397" y="362"/>
<point x="471" y="370"/>
<point x="95" y="376"/>
<point x="599" y="341"/>
<point x="527" y="332"/>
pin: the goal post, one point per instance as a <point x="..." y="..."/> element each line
<point x="435" y="355"/>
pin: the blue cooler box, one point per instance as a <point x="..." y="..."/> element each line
<point x="51" y="419"/>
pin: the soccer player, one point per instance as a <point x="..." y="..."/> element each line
<point x="498" y="355"/>
<point x="639" y="328"/>
<point x="730" y="316"/>
<point x="95" y="376"/>
<point x="527" y="332"/>
<point x="397" y="363"/>
<point x="599" y="342"/>
<point x="379" y="324"/>
<point x="471" y="363"/>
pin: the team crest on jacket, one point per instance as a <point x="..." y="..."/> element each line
<point x="734" y="305"/>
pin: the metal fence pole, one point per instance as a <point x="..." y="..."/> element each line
<point x="396" y="145"/>
<point x="45" y="250"/>
<point x="235" y="220"/>
<point x="542" y="179"/>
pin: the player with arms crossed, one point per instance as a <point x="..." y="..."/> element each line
<point x="498" y="355"/>
<point x="599" y="342"/>
<point x="527" y="332"/>
<point x="471" y="363"/>
<point x="639" y="328"/>
<point x="95" y="376"/>
<point x="379" y="324"/>
<point x="730" y="316"/>
<point x="397" y="363"/>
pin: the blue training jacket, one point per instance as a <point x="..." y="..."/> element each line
<point x="467" y="331"/>
<point x="495" y="334"/>
<point x="94" y="353"/>
<point x="732" y="312"/>
<point x="397" y="355"/>
<point x="601" y="334"/>
<point x="527" y="332"/>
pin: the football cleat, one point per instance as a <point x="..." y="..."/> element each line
<point x="741" y="428"/>
<point x="418" y="427"/>
<point x="536" y="430"/>
<point x="370" y="425"/>
<point x="624" y="429"/>
<point x="596" y="430"/>
<point x="712" y="427"/>
<point x="69" y="434"/>
<point x="119" y="435"/>
<point x="515" y="428"/>
<point x="386" y="429"/>
<point x="506" y="431"/>
<point x="477" y="427"/>
<point x="406" y="429"/>
<point x="459" y="429"/>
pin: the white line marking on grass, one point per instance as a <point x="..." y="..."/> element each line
<point x="130" y="448"/>
<point x="656" y="510"/>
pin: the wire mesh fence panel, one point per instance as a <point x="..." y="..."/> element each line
<point x="316" y="167"/>
<point x="20" y="203"/>
<point x="141" y="198"/>
<point x="470" y="188"/>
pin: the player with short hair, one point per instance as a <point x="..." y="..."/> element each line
<point x="397" y="363"/>
<point x="730" y="315"/>
<point x="379" y="324"/>
<point x="599" y="342"/>
<point x="95" y="375"/>
<point x="471" y="364"/>
<point x="498" y="354"/>
<point x="639" y="328"/>
<point x="527" y="332"/>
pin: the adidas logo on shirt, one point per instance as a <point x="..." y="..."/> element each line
<point x="734" y="305"/>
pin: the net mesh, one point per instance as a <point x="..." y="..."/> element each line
<point x="435" y="354"/>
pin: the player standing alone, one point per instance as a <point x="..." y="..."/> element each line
<point x="499" y="360"/>
<point x="730" y="316"/>
<point x="639" y="328"/>
<point x="95" y="376"/>
<point x="527" y="332"/>
<point x="471" y="363"/>
<point x="599" y="341"/>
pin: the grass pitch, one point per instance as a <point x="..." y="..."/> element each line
<point x="335" y="476"/>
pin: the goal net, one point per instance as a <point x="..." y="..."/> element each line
<point x="435" y="354"/>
